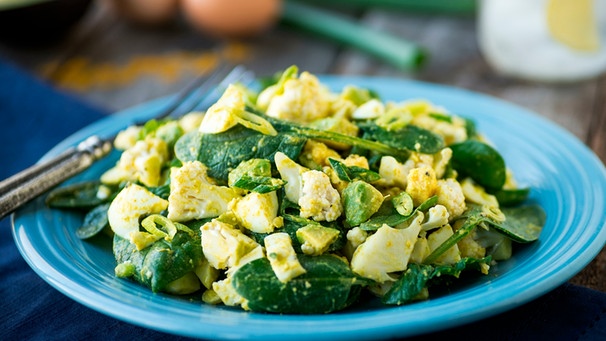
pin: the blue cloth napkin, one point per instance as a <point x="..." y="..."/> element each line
<point x="34" y="117"/>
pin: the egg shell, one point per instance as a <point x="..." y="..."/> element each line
<point x="231" y="18"/>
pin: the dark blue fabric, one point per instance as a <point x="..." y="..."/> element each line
<point x="34" y="117"/>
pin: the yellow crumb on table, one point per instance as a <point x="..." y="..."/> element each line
<point x="82" y="73"/>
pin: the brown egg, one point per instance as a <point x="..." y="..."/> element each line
<point x="145" y="12"/>
<point x="231" y="18"/>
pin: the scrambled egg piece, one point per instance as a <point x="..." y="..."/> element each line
<point x="319" y="200"/>
<point x="387" y="250"/>
<point x="451" y="132"/>
<point x="350" y="98"/>
<point x="127" y="138"/>
<point x="301" y="100"/>
<point x="356" y="160"/>
<point x="128" y="206"/>
<point x="142" y="162"/>
<point x="440" y="161"/>
<point x="436" y="239"/>
<point x="315" y="154"/>
<point x="191" y="122"/>
<point x="437" y="217"/>
<point x="194" y="196"/>
<point x="228" y="294"/>
<point x="257" y="212"/>
<point x="282" y="257"/>
<point x="450" y="195"/>
<point x="290" y="172"/>
<point x="206" y="273"/>
<point x="356" y="236"/>
<point x="453" y="129"/>
<point x="223" y="245"/>
<point x="395" y="117"/>
<point x="394" y="173"/>
<point x="420" y="251"/>
<point x="421" y="184"/>
<point x="187" y="284"/>
<point x="220" y="116"/>
<point x="471" y="248"/>
<point x="374" y="108"/>
<point x="476" y="194"/>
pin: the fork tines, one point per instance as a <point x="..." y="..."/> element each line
<point x="204" y="90"/>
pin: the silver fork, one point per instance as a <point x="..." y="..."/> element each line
<point x="24" y="186"/>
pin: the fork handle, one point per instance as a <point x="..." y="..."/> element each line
<point x="28" y="184"/>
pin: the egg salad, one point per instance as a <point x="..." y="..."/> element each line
<point x="294" y="198"/>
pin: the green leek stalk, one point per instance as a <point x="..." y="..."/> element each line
<point x="459" y="7"/>
<point x="401" y="53"/>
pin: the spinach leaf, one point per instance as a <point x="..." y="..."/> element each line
<point x="196" y="224"/>
<point x="349" y="174"/>
<point x="94" y="222"/>
<point x="470" y="128"/>
<point x="259" y="184"/>
<point x="166" y="129"/>
<point x="149" y="128"/>
<point x="162" y="262"/>
<point x="479" y="161"/>
<point x="224" y="151"/>
<point x="287" y="206"/>
<point x="419" y="276"/>
<point x="188" y="147"/>
<point x="328" y="285"/>
<point x="523" y="224"/>
<point x="410" y="285"/>
<point x="456" y="269"/>
<point x="512" y="197"/>
<point x="285" y="127"/>
<point x="80" y="195"/>
<point x="162" y="191"/>
<point x="409" y="137"/>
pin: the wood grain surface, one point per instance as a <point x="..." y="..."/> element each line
<point x="116" y="65"/>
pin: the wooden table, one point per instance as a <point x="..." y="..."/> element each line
<point x="116" y="65"/>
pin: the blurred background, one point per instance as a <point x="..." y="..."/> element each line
<point x="118" y="53"/>
<point x="546" y="55"/>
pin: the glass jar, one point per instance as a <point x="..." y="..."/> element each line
<point x="544" y="40"/>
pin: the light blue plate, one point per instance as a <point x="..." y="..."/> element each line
<point x="567" y="180"/>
